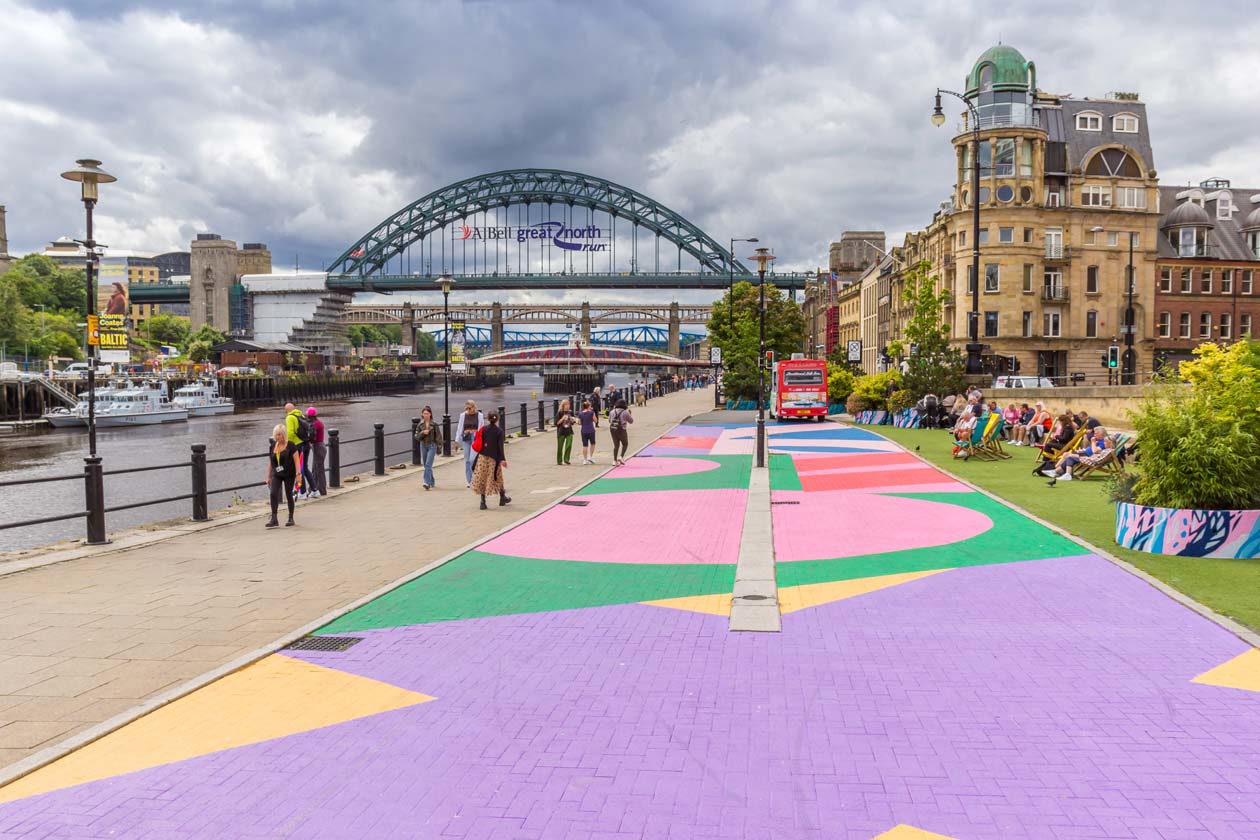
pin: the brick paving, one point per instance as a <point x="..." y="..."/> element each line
<point x="1023" y="689"/>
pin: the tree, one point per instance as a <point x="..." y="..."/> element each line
<point x="934" y="367"/>
<point x="785" y="331"/>
<point x="199" y="350"/>
<point x="205" y="333"/>
<point x="168" y="329"/>
<point x="14" y="316"/>
<point x="426" y="346"/>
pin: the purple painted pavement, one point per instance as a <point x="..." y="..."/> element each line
<point x="1036" y="699"/>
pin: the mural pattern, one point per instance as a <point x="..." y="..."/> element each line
<point x="1189" y="533"/>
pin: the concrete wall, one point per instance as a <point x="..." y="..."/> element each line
<point x="213" y="263"/>
<point x="1109" y="403"/>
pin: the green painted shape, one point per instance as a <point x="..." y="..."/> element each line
<point x="1011" y="71"/>
<point x="783" y="475"/>
<point x="479" y="584"/>
<point x="732" y="473"/>
<point x="1013" y="538"/>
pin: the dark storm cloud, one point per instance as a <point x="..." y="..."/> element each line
<point x="302" y="124"/>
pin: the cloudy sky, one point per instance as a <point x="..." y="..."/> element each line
<point x="302" y="123"/>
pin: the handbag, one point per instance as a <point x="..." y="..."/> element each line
<point x="477" y="442"/>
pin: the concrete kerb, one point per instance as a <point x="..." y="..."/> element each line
<point x="1244" y="633"/>
<point x="47" y="756"/>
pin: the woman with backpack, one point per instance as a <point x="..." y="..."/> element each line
<point x="469" y="423"/>
<point x="429" y="436"/>
<point x="564" y="433"/>
<point x="617" y="422"/>
<point x="491" y="461"/>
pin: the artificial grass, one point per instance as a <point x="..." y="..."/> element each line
<point x="1230" y="587"/>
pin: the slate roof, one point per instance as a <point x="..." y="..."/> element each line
<point x="1059" y="121"/>
<point x="1226" y="237"/>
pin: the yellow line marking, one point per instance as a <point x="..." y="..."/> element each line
<point x="1243" y="671"/>
<point x="794" y="598"/>
<point x="719" y="604"/>
<point x="274" y="697"/>
<point x="909" y="832"/>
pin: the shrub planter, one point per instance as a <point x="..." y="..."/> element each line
<point x="1188" y="533"/>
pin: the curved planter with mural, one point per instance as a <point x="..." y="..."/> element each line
<point x="1189" y="533"/>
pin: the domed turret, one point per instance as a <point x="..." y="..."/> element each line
<point x="1252" y="222"/>
<point x="1001" y="68"/>
<point x="1188" y="214"/>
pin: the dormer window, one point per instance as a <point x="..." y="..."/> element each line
<point x="1224" y="206"/>
<point x="1189" y="241"/>
<point x="1124" y="123"/>
<point x="1089" y="121"/>
<point x="1113" y="163"/>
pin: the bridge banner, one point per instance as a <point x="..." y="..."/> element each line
<point x="459" y="362"/>
<point x="112" y="334"/>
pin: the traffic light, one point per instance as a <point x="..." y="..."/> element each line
<point x="1011" y="362"/>
<point x="769" y="360"/>
<point x="1113" y="356"/>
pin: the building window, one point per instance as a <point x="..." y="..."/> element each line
<point x="1113" y="163"/>
<point x="1028" y="235"/>
<point x="1227" y="281"/>
<point x="1091" y="324"/>
<point x="1113" y="238"/>
<point x="1004" y="158"/>
<point x="1006" y="234"/>
<point x="1165" y="325"/>
<point x="962" y="238"/>
<point x="1089" y="121"/>
<point x="1124" y="123"/>
<point x="1205" y="281"/>
<point x="1227" y="325"/>
<point x="990" y="325"/>
<point x="1054" y="198"/>
<point x="1091" y="280"/>
<point x="1095" y="196"/>
<point x="1028" y="274"/>
<point x="1050" y="324"/>
<point x="1246" y="281"/>
<point x="990" y="277"/>
<point x="1091" y="237"/>
<point x="1131" y="198"/>
<point x="1205" y="325"/>
<point x="984" y="236"/>
<point x="1189" y="241"/>
<point x="1185" y="281"/>
<point x="1244" y="324"/>
<point x="1025" y="162"/>
<point x="1184" y="325"/>
<point x="1253" y="242"/>
<point x="1165" y="279"/>
<point x="1027" y="326"/>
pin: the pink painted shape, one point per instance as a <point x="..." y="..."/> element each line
<point x="849" y="524"/>
<point x="665" y="526"/>
<point x="656" y="467"/>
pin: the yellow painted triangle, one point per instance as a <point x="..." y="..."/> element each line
<point x="1243" y="671"/>
<point x="793" y="598"/>
<point x="719" y="604"/>
<point x="274" y="697"/>
<point x="909" y="832"/>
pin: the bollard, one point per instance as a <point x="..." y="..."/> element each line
<point x="503" y="420"/>
<point x="334" y="458"/>
<point x="201" y="506"/>
<point x="524" y="420"/>
<point x="446" y="435"/>
<point x="555" y="408"/>
<point x="542" y="418"/>
<point x="378" y="446"/>
<point x="94" y="490"/>
<point x="416" y="460"/>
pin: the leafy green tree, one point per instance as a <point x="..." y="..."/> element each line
<point x="14" y="316"/>
<point x="785" y="331"/>
<point x="839" y="383"/>
<point x="934" y="367"/>
<point x="168" y="329"/>
<point x="40" y="281"/>
<point x="426" y="346"/>
<point x="205" y="333"/>
<point x="199" y="350"/>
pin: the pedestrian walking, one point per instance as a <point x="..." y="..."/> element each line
<point x="299" y="432"/>
<point x="319" y="452"/>
<point x="618" y="420"/>
<point x="282" y="471"/>
<point x="491" y="462"/>
<point x="564" y="433"/>
<point x="589" y="419"/>
<point x="469" y="423"/>
<point x="596" y="401"/>
<point x="639" y="389"/>
<point x="429" y="435"/>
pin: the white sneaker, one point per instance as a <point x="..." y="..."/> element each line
<point x="1065" y="477"/>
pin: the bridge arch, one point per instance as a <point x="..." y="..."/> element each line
<point x="484" y="193"/>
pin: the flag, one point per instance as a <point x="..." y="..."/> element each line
<point x="357" y="252"/>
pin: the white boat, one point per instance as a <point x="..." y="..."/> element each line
<point x="202" y="399"/>
<point x="62" y="418"/>
<point x="142" y="406"/>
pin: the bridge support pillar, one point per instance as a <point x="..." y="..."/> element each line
<point x="586" y="322"/>
<point x="675" y="342"/>
<point x="409" y="329"/>
<point x="496" y="328"/>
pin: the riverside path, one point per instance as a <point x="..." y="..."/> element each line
<point x="946" y="668"/>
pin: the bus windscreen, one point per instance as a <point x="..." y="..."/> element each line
<point x="805" y="376"/>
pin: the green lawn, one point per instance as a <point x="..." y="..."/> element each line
<point x="1231" y="587"/>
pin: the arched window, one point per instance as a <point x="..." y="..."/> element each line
<point x="986" y="78"/>
<point x="1089" y="121"/>
<point x="1124" y="123"/>
<point x="1113" y="163"/>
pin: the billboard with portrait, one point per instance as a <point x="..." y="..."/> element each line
<point x="112" y="287"/>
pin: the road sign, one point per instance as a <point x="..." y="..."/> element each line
<point x="94" y="330"/>
<point x="855" y="351"/>
<point x="715" y="355"/>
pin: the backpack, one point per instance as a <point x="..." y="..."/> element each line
<point x="477" y="442"/>
<point x="305" y="431"/>
<point x="614" y="422"/>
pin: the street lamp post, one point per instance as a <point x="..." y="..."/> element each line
<point x="89" y="175"/>
<point x="938" y="119"/>
<point x="762" y="258"/>
<point x="1129" y="372"/>
<point x="447" y="281"/>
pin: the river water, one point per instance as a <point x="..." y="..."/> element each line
<point x="61" y="452"/>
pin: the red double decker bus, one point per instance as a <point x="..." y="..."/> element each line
<point x="799" y="389"/>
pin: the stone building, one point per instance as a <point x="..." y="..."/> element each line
<point x="6" y="261"/>
<point x="1064" y="184"/>
<point x="847" y="259"/>
<point x="1208" y="267"/>
<point x="216" y="296"/>
<point x="853" y="252"/>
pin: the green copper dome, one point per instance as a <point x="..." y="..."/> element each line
<point x="1001" y="68"/>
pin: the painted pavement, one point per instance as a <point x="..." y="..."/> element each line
<point x="947" y="669"/>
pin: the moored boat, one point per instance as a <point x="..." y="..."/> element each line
<point x="143" y="406"/>
<point x="202" y="399"/>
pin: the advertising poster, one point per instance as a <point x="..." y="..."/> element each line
<point x="459" y="363"/>
<point x="112" y="333"/>
<point x="111" y="287"/>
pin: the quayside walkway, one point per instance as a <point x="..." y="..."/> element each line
<point x="945" y="668"/>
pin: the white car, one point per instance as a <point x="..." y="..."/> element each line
<point x="1023" y="382"/>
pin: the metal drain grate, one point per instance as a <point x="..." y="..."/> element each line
<point x="753" y="597"/>
<point x="785" y="503"/>
<point x="335" y="644"/>
<point x="574" y="503"/>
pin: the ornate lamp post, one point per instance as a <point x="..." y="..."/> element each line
<point x="1128" y="375"/>
<point x="447" y="281"/>
<point x="762" y="258"/>
<point x="89" y="174"/>
<point x="938" y="119"/>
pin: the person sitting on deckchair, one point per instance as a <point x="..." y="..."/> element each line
<point x="1092" y="450"/>
<point x="966" y="424"/>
